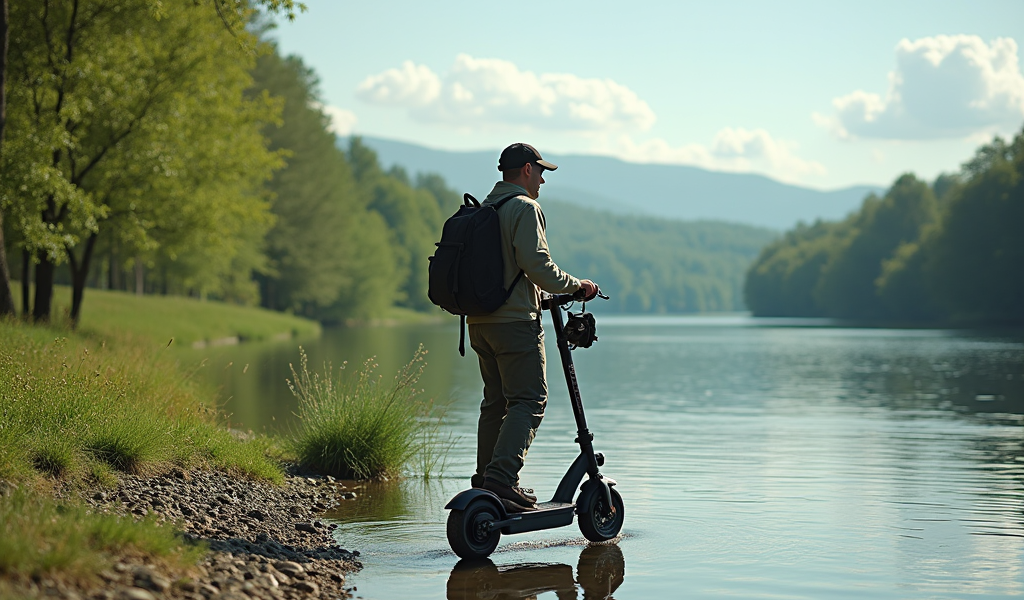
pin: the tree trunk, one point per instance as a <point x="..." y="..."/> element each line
<point x="6" y="297"/>
<point x="115" y="271"/>
<point x="26" y="266"/>
<point x="79" y="275"/>
<point x="4" y="25"/>
<point x="44" y="289"/>
<point x="140" y="280"/>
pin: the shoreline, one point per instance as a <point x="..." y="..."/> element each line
<point x="266" y="542"/>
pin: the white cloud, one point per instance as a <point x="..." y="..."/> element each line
<point x="410" y="85"/>
<point x="343" y="121"/>
<point x="732" y="149"/>
<point x="483" y="91"/>
<point x="943" y="87"/>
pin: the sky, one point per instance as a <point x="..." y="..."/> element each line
<point x="821" y="94"/>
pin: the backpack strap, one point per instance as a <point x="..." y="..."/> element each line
<point x="462" y="335"/>
<point x="496" y="205"/>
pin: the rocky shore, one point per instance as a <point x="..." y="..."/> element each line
<point x="266" y="541"/>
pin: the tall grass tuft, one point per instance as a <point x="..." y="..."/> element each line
<point x="129" y="442"/>
<point x="360" y="426"/>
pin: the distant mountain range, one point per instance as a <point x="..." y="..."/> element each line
<point x="674" y="191"/>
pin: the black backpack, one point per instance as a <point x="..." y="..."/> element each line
<point x="466" y="273"/>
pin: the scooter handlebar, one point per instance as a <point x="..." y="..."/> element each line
<point x="562" y="299"/>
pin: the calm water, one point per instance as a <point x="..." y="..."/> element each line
<point x="756" y="459"/>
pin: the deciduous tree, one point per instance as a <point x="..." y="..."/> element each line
<point x="128" y="115"/>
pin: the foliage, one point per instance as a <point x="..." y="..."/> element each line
<point x="413" y="215"/>
<point x="948" y="253"/>
<point x="71" y="405"/>
<point x="654" y="265"/>
<point x="320" y="216"/>
<point x="360" y="427"/>
<point x="155" y="146"/>
<point x="127" y="120"/>
<point x="350" y="239"/>
<point x="847" y="281"/>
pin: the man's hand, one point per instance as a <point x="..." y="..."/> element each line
<point x="589" y="289"/>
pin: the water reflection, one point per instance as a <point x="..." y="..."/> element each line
<point x="599" y="572"/>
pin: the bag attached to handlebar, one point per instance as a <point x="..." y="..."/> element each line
<point x="580" y="329"/>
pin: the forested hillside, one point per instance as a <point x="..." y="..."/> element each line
<point x="950" y="252"/>
<point x="656" y="265"/>
<point x="349" y="239"/>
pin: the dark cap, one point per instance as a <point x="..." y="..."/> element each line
<point x="517" y="155"/>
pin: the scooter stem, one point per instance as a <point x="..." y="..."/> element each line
<point x="583" y="435"/>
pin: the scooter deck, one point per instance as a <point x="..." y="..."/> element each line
<point x="547" y="515"/>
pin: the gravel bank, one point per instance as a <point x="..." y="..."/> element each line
<point x="266" y="541"/>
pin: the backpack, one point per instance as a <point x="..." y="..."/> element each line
<point x="466" y="272"/>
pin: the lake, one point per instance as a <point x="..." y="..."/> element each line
<point x="756" y="458"/>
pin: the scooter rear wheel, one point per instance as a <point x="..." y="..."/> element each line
<point x="468" y="532"/>
<point x="595" y="521"/>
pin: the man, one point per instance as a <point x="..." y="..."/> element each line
<point x="510" y="341"/>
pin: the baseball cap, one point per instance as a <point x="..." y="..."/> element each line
<point x="517" y="155"/>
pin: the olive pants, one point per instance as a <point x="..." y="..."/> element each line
<point x="512" y="365"/>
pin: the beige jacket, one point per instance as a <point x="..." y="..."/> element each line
<point x="524" y="245"/>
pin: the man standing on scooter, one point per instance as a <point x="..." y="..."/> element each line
<point x="510" y="341"/>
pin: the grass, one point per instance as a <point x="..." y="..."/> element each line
<point x="72" y="407"/>
<point x="362" y="427"/>
<point x="188" y="321"/>
<point x="81" y="407"/>
<point x="39" y="536"/>
<point x="78" y="410"/>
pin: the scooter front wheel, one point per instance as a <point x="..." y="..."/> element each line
<point x="469" y="532"/>
<point x="597" y="523"/>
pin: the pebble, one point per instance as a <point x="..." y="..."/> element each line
<point x="307" y="586"/>
<point x="289" y="568"/>
<point x="134" y="593"/>
<point x="146" y="578"/>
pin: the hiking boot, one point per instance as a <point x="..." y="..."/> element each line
<point x="477" y="480"/>
<point x="510" y="494"/>
<point x="527" y="493"/>
<point x="512" y="507"/>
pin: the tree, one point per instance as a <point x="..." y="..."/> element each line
<point x="974" y="262"/>
<point x="6" y="298"/>
<point x="315" y="200"/>
<point x="413" y="217"/>
<point x="128" y="115"/>
<point x="781" y="282"/>
<point x="231" y="13"/>
<point x="847" y="284"/>
<point x="949" y="254"/>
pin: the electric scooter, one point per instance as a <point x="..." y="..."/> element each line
<point x="478" y="518"/>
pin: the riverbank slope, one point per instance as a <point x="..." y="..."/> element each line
<point x="118" y="478"/>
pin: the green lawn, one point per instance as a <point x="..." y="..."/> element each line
<point x="188" y="321"/>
